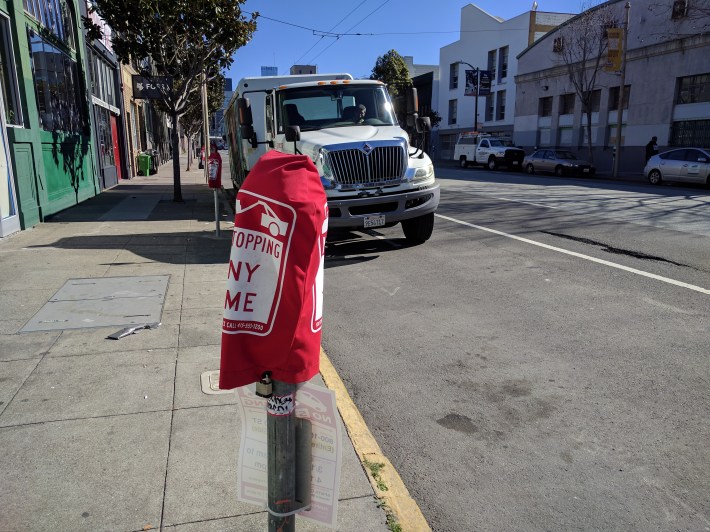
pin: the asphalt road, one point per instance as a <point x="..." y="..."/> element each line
<point x="543" y="362"/>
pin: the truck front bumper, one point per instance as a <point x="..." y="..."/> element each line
<point x="352" y="212"/>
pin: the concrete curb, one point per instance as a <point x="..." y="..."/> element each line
<point x="396" y="497"/>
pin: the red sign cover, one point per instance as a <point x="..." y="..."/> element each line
<point x="273" y="304"/>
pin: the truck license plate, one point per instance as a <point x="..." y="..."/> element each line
<point x="374" y="221"/>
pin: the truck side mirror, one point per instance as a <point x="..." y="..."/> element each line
<point x="423" y="124"/>
<point x="412" y="101"/>
<point x="244" y="109"/>
<point x="412" y="119"/>
<point x="248" y="133"/>
<point x="293" y="133"/>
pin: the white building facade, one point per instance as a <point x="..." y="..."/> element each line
<point x="488" y="43"/>
<point x="667" y="86"/>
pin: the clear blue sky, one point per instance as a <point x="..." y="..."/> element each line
<point x="412" y="27"/>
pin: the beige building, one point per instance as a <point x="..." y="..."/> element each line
<point x="133" y="119"/>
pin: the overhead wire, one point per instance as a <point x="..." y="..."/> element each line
<point x="329" y="31"/>
<point x="352" y="27"/>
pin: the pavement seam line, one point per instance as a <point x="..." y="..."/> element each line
<point x="397" y="497"/>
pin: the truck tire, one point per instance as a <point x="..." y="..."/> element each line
<point x="463" y="163"/>
<point x="418" y="230"/>
<point x="492" y="164"/>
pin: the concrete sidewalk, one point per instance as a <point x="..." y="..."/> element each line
<point x="117" y="435"/>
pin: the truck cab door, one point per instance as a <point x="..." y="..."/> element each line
<point x="483" y="151"/>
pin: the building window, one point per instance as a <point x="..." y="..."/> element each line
<point x="595" y="100"/>
<point x="565" y="136"/>
<point x="503" y="62"/>
<point x="614" y="97"/>
<point x="489" y="107"/>
<point x="500" y="105"/>
<point x="447" y="142"/>
<point x="453" y="105"/>
<point x="690" y="133"/>
<point x="53" y="15"/>
<point x="545" y="106"/>
<point x="558" y="44"/>
<point x="453" y="76"/>
<point x="492" y="63"/>
<point x="102" y="79"/>
<point x="680" y="9"/>
<point x="57" y="88"/>
<point x="8" y="76"/>
<point x="567" y="104"/>
<point x="694" y="89"/>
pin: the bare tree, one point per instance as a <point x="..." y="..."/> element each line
<point x="582" y="45"/>
<point x="695" y="13"/>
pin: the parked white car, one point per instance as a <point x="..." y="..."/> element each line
<point x="690" y="165"/>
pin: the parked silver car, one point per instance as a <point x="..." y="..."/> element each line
<point x="682" y="164"/>
<point x="559" y="162"/>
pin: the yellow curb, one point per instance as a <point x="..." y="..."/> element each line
<point x="397" y="497"/>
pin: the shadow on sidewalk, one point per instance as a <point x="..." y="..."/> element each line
<point x="196" y="247"/>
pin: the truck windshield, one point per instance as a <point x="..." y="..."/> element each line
<point x="313" y="108"/>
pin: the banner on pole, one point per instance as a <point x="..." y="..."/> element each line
<point x="471" y="83"/>
<point x="615" y="38"/>
<point x="484" y="82"/>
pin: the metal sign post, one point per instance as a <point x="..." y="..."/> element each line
<point x="281" y="457"/>
<point x="207" y="149"/>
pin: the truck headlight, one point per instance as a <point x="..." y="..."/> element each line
<point x="326" y="174"/>
<point x="424" y="172"/>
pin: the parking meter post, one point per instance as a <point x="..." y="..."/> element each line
<point x="216" y="212"/>
<point x="281" y="457"/>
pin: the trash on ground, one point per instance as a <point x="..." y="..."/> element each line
<point x="132" y="330"/>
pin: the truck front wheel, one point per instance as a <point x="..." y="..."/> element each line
<point x="418" y="230"/>
<point x="492" y="164"/>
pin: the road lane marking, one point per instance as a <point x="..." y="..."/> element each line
<point x="397" y="496"/>
<point x="580" y="255"/>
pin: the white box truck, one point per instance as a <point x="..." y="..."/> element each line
<point x="372" y="174"/>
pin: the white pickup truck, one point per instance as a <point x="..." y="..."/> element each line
<point x="481" y="149"/>
<point x="371" y="173"/>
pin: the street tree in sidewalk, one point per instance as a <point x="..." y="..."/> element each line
<point x="582" y="46"/>
<point x="181" y="38"/>
<point x="192" y="119"/>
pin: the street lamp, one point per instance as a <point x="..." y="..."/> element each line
<point x="477" y="71"/>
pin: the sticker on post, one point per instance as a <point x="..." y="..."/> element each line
<point x="260" y="242"/>
<point x="374" y="221"/>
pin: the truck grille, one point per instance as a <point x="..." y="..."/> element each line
<point x="384" y="165"/>
<point x="514" y="155"/>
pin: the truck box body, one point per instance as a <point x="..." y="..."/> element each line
<point x="483" y="149"/>
<point x="371" y="174"/>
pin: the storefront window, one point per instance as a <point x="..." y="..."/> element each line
<point x="53" y="15"/>
<point x="56" y="86"/>
<point x="8" y="76"/>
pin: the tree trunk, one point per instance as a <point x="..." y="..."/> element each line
<point x="189" y="152"/>
<point x="177" y="190"/>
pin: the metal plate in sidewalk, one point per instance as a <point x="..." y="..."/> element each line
<point x="102" y="302"/>
<point x="210" y="383"/>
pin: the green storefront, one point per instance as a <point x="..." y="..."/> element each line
<point x="46" y="106"/>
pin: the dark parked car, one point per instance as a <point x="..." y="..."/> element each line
<point x="558" y="162"/>
<point x="682" y="164"/>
